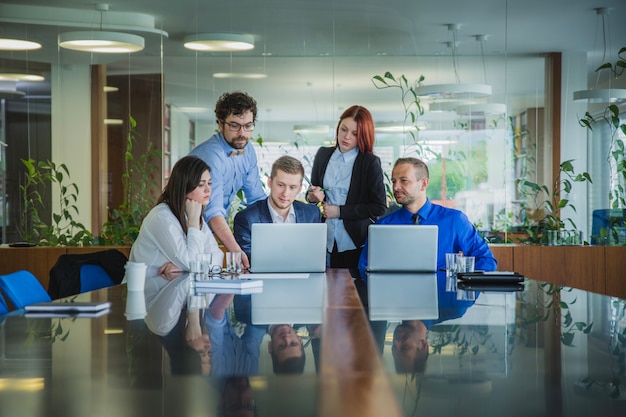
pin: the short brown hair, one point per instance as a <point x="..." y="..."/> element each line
<point x="421" y="169"/>
<point x="287" y="164"/>
<point x="236" y="103"/>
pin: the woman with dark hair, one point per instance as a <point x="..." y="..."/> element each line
<point x="348" y="180"/>
<point x="174" y="232"/>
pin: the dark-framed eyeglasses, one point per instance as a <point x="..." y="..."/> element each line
<point x="235" y="127"/>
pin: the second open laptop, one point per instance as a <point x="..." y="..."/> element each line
<point x="288" y="247"/>
<point x="402" y="248"/>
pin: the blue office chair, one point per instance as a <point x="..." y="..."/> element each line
<point x="94" y="277"/>
<point x="4" y="308"/>
<point x="22" y="288"/>
<point x="607" y="227"/>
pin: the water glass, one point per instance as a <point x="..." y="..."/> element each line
<point x="451" y="272"/>
<point x="233" y="263"/>
<point x="465" y="263"/>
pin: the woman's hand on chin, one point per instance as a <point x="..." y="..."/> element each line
<point x="169" y="271"/>
<point x="193" y="209"/>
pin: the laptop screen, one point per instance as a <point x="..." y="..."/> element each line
<point x="402" y="248"/>
<point x="288" y="247"/>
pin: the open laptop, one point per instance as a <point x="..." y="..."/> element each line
<point x="402" y="248"/>
<point x="288" y="247"/>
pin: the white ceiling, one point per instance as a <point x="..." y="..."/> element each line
<point x="320" y="55"/>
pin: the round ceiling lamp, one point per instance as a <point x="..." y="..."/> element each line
<point x="457" y="91"/>
<point x="311" y="129"/>
<point x="601" y="95"/>
<point x="481" y="109"/>
<point x="15" y="76"/>
<point x="219" y="42"/>
<point x="7" y="44"/>
<point x="101" y="42"/>
<point x="8" y="89"/>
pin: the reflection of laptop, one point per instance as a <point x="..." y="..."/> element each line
<point x="289" y="301"/>
<point x="403" y="296"/>
<point x="402" y="248"/>
<point x="288" y="247"/>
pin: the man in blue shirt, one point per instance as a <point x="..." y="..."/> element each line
<point x="233" y="164"/>
<point x="409" y="179"/>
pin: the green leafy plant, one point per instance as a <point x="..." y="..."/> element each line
<point x="63" y="230"/>
<point x="549" y="303"/>
<point x="611" y="117"/>
<point x="548" y="203"/>
<point x="139" y="176"/>
<point x="411" y="103"/>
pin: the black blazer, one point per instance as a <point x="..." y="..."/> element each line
<point x="366" y="199"/>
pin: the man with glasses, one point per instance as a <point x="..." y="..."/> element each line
<point x="233" y="164"/>
<point x="409" y="179"/>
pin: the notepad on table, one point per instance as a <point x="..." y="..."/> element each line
<point x="68" y="309"/>
<point x="229" y="286"/>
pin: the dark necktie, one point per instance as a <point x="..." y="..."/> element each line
<point x="237" y="152"/>
<point x="416" y="218"/>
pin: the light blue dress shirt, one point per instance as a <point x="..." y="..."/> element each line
<point x="229" y="174"/>
<point x="338" y="175"/>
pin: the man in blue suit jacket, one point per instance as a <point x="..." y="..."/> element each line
<point x="285" y="183"/>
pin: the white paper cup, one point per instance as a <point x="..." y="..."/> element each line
<point x="135" y="276"/>
<point x="135" y="305"/>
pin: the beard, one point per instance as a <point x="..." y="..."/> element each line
<point x="238" y="142"/>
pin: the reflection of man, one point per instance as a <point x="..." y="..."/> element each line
<point x="233" y="163"/>
<point x="237" y="398"/>
<point x="285" y="183"/>
<point x="410" y="348"/>
<point x="231" y="354"/>
<point x="410" y="179"/>
<point x="286" y="349"/>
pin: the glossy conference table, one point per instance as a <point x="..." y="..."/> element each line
<point x="543" y="351"/>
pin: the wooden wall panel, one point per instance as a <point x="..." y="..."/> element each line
<point x="615" y="264"/>
<point x="504" y="256"/>
<point x="37" y="260"/>
<point x="574" y="266"/>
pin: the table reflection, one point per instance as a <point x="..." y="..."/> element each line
<point x="545" y="351"/>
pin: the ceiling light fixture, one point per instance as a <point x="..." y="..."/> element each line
<point x="481" y="109"/>
<point x="8" y="89"/>
<point x="311" y="129"/>
<point x="219" y="42"/>
<point x="458" y="90"/>
<point x="602" y="95"/>
<point x="16" y="76"/>
<point x="99" y="41"/>
<point x="7" y="44"/>
<point x="398" y="127"/>
<point x="240" y="75"/>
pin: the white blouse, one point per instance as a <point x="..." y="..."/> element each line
<point x="161" y="239"/>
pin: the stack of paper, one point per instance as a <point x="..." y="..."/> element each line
<point x="68" y="309"/>
<point x="229" y="286"/>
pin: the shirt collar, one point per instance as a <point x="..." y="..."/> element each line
<point x="277" y="218"/>
<point x="346" y="156"/>
<point x="426" y="209"/>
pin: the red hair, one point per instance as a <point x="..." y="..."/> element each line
<point x="364" y="127"/>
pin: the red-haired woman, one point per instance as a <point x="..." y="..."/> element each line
<point x="348" y="179"/>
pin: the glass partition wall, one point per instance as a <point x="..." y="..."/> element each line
<point x="308" y="64"/>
